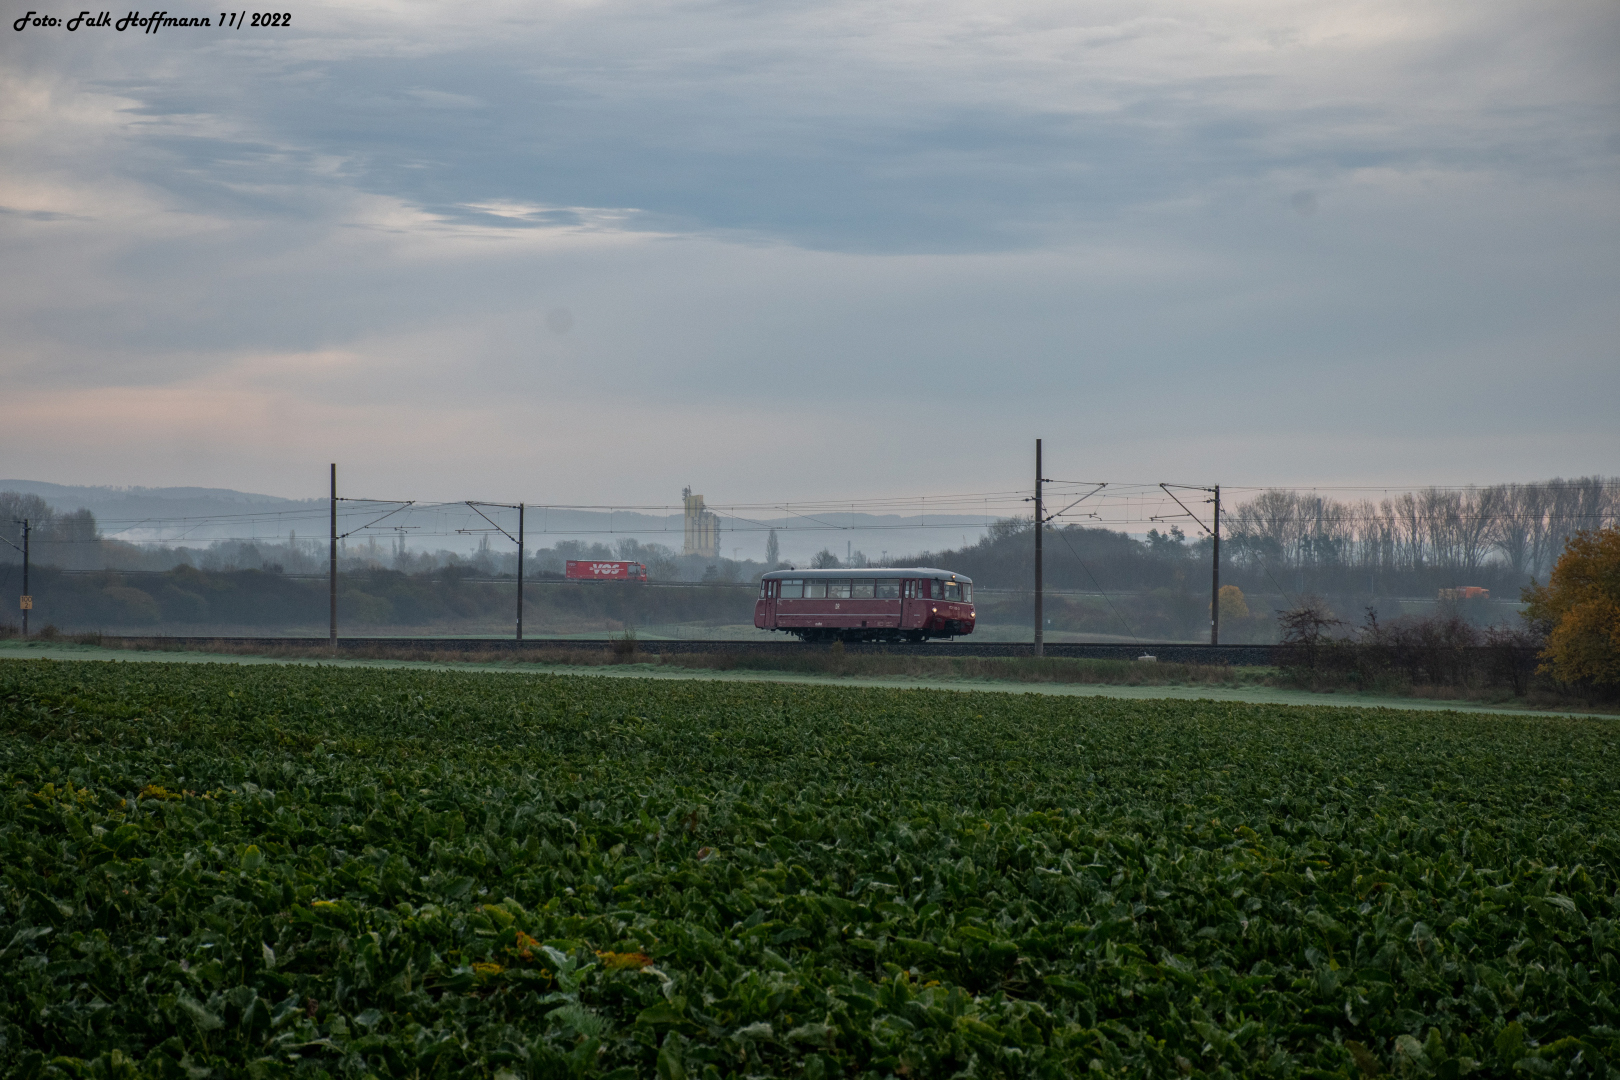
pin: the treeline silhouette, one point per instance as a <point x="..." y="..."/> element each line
<point x="1287" y="542"/>
<point x="1418" y="542"/>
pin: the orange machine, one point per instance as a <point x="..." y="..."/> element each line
<point x="1465" y="592"/>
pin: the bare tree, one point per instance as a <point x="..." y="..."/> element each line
<point x="1309" y="627"/>
<point x="1420" y="535"/>
<point x="1518" y="524"/>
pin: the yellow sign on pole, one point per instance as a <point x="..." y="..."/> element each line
<point x="28" y="603"/>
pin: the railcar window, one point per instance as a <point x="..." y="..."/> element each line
<point x="913" y="589"/>
<point x="967" y="592"/>
<point x="815" y="590"/>
<point x="792" y="589"/>
<point x="953" y="590"/>
<point x="888" y="588"/>
<point x="764" y="589"/>
<point x="838" y="590"/>
<point x="861" y="590"/>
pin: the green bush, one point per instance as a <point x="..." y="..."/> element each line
<point x="131" y="605"/>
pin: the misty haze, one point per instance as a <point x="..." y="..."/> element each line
<point x="449" y="570"/>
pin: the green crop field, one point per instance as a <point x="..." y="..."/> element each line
<point x="221" y="871"/>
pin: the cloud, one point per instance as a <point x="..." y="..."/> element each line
<point x="838" y="126"/>
<point x="835" y="245"/>
<point x="439" y="99"/>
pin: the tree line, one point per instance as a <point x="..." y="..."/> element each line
<point x="1566" y="640"/>
<point x="1509" y="533"/>
<point x="1285" y="542"/>
<point x="56" y="532"/>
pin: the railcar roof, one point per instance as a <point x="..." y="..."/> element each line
<point x="869" y="572"/>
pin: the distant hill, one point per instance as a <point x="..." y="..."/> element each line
<point x="139" y="513"/>
<point x="146" y="502"/>
<point x="195" y="517"/>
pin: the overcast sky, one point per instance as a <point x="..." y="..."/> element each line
<point x="594" y="251"/>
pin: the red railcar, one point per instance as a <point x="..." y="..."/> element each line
<point x="911" y="603"/>
<point x="604" y="570"/>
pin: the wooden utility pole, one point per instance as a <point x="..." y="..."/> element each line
<point x="332" y="576"/>
<point x="1215" y="583"/>
<point x="1040" y="527"/>
<point x="520" y="573"/>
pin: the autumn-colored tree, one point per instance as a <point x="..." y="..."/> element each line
<point x="1579" y="608"/>
<point x="1233" y="605"/>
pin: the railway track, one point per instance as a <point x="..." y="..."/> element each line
<point x="1244" y="655"/>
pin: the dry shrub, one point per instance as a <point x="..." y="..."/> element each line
<point x="625" y="647"/>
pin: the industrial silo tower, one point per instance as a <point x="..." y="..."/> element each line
<point x="702" y="528"/>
